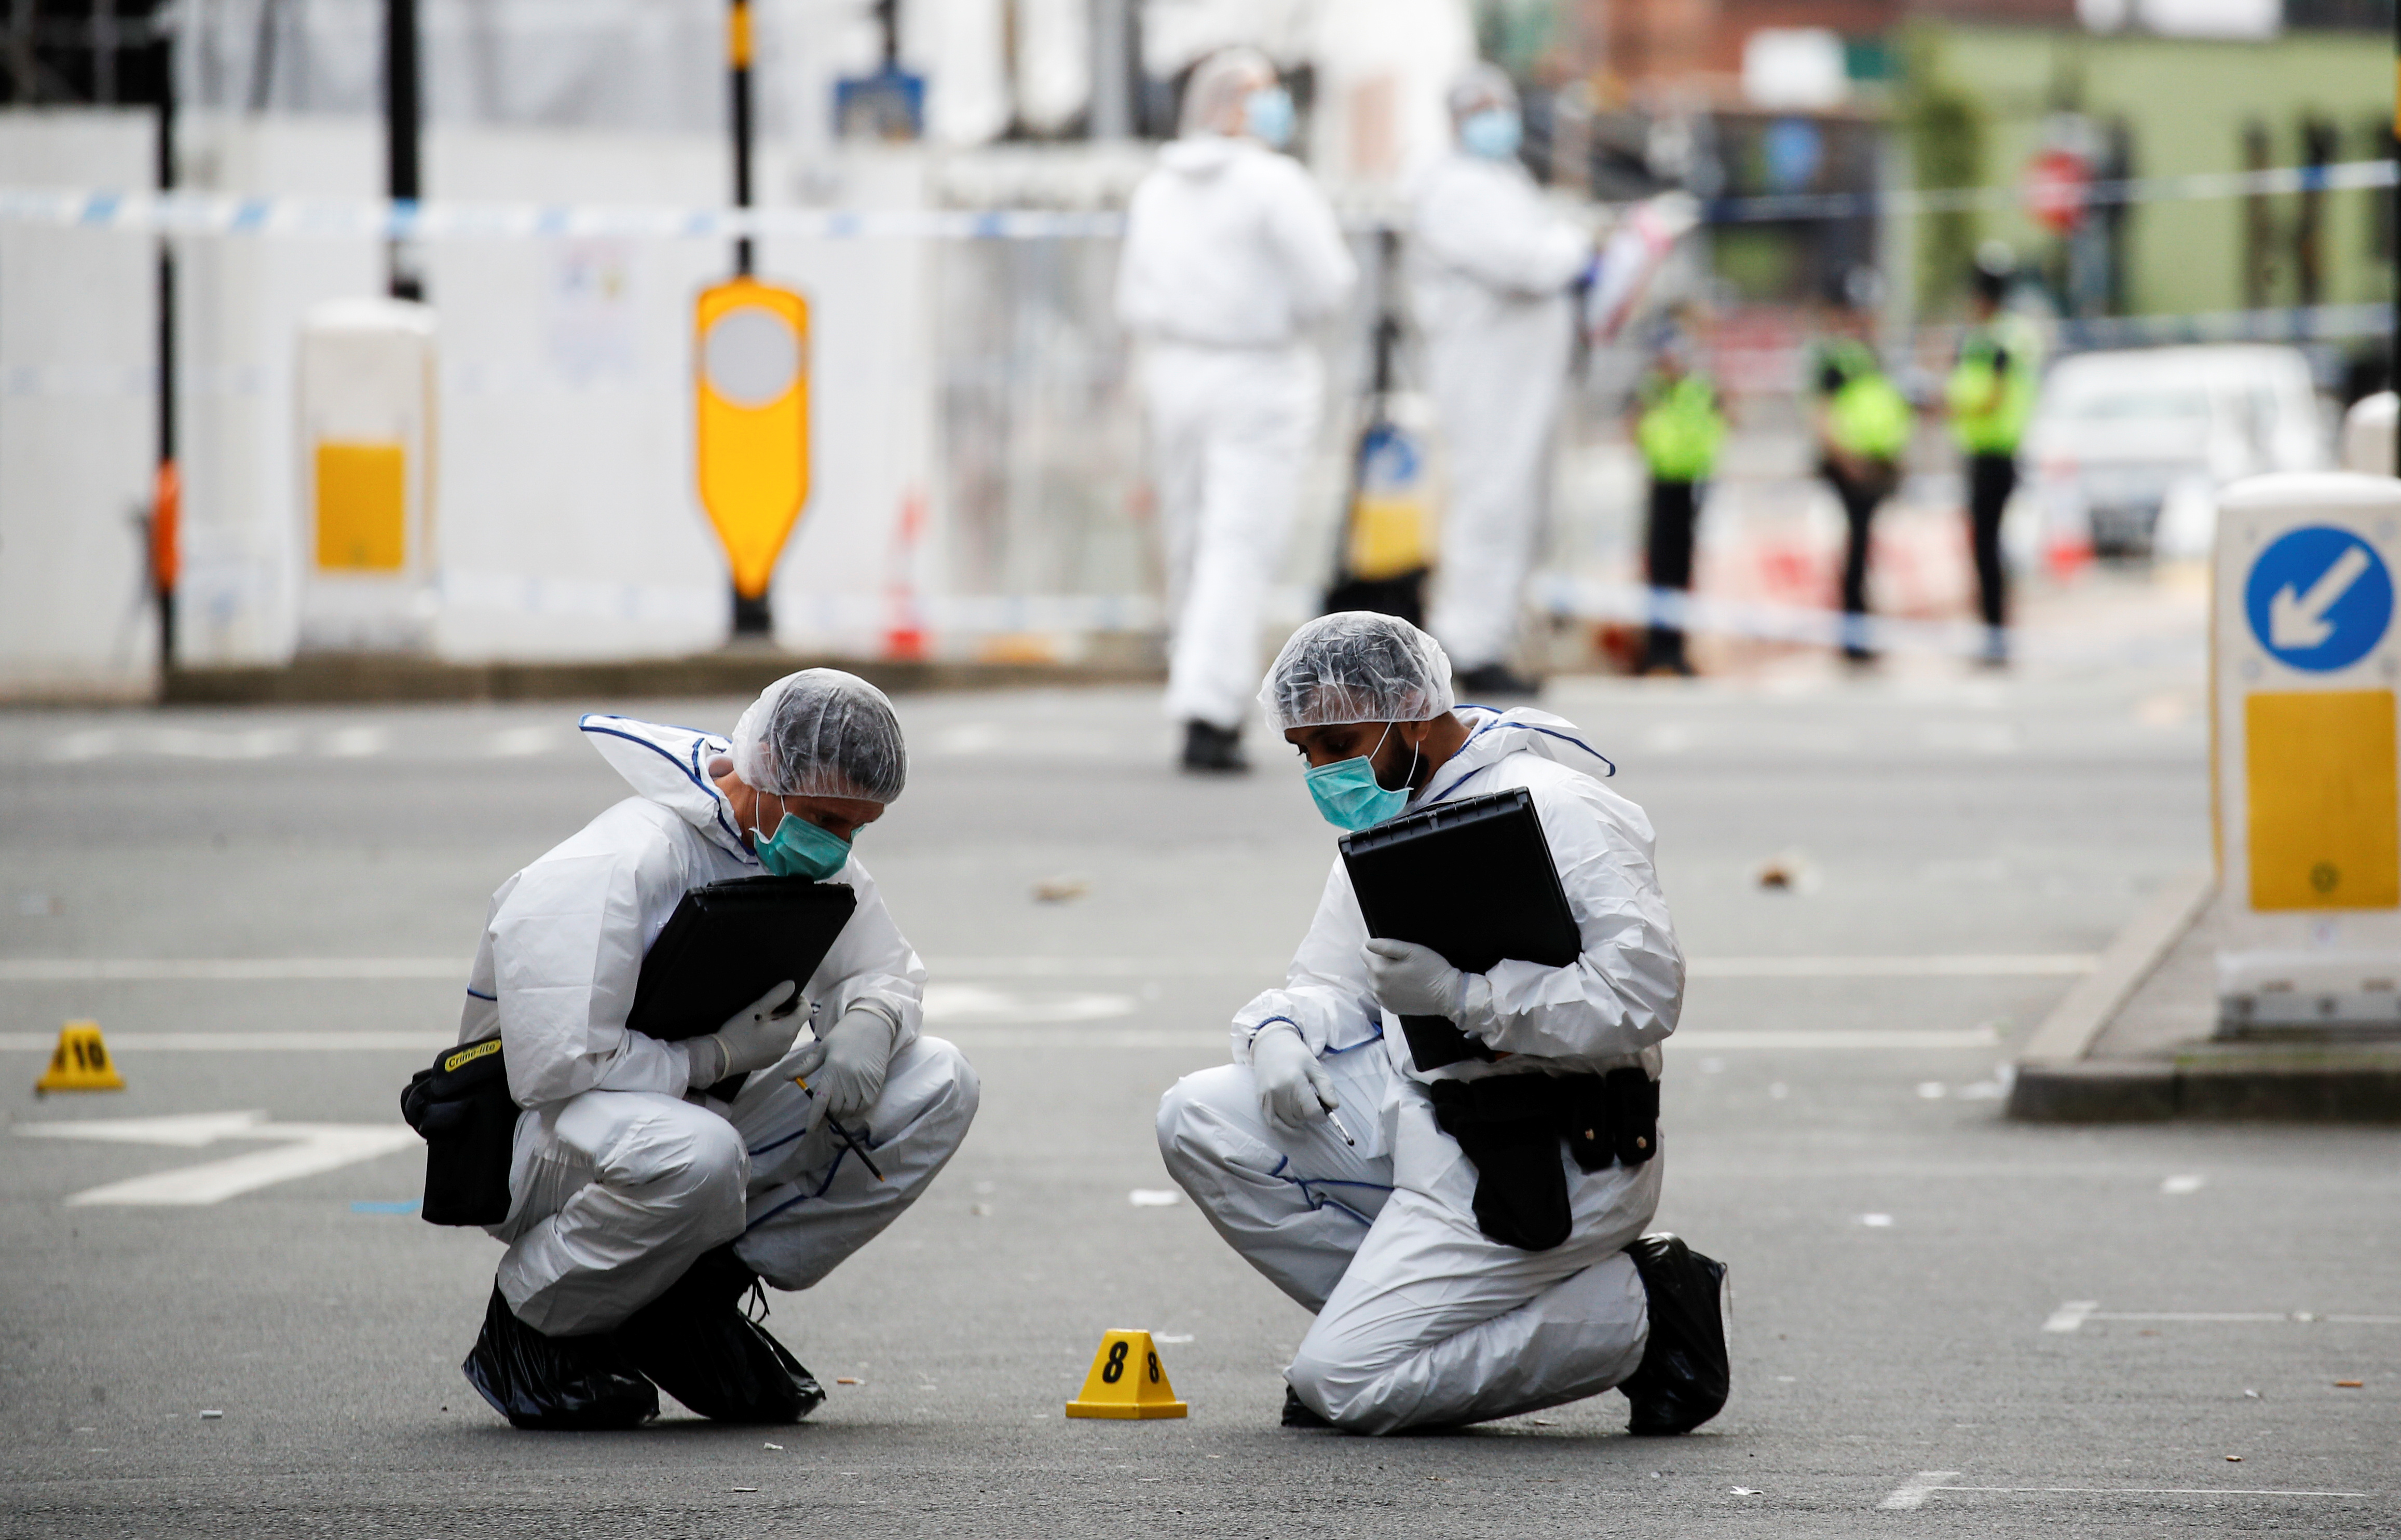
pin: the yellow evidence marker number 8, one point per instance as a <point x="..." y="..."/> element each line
<point x="1109" y="1391"/>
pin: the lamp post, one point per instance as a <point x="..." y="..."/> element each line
<point x="403" y="120"/>
<point x="166" y="501"/>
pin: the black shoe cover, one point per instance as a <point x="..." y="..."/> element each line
<point x="694" y="1342"/>
<point x="1296" y="1413"/>
<point x="558" y="1382"/>
<point x="1210" y="749"/>
<point x="1496" y="679"/>
<point x="1684" y="1374"/>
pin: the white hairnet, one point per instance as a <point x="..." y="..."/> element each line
<point x="821" y="732"/>
<point x="1480" y="86"/>
<point x="1357" y="666"/>
<point x="1219" y="84"/>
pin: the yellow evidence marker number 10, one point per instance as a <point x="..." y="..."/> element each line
<point x="80" y="1062"/>
<point x="1126" y="1381"/>
<point x="751" y="438"/>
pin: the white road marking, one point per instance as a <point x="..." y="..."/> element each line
<point x="1832" y="1039"/>
<point x="974" y="1003"/>
<point x="2005" y="965"/>
<point x="525" y="743"/>
<point x="76" y="747"/>
<point x="362" y="742"/>
<point x="190" y="1130"/>
<point x="226" y="970"/>
<point x="1911" y="1493"/>
<point x="2177" y="1187"/>
<point x="249" y="1043"/>
<point x="2072" y="1316"/>
<point x="306" y="1150"/>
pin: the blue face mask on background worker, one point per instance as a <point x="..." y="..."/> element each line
<point x="1491" y="134"/>
<point x="1268" y="116"/>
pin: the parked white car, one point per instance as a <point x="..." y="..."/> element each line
<point x="2130" y="448"/>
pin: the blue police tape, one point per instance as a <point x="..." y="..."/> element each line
<point x="198" y="213"/>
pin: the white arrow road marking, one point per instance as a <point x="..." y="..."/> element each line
<point x="2296" y="623"/>
<point x="306" y="1150"/>
<point x="190" y="1130"/>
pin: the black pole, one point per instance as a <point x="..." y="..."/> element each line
<point x="738" y="49"/>
<point x="751" y="616"/>
<point x="403" y="120"/>
<point x="166" y="504"/>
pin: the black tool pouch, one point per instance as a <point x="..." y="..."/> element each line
<point x="1611" y="1119"/>
<point x="462" y="1107"/>
<point x="1509" y="1126"/>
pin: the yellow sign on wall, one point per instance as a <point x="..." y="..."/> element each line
<point x="2325" y="812"/>
<point x="361" y="507"/>
<point x="751" y="345"/>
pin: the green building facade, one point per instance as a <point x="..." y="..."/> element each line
<point x="2158" y="108"/>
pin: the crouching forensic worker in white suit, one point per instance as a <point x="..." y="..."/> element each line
<point x="1343" y="1171"/>
<point x="642" y="1208"/>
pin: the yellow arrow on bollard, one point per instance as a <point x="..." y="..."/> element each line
<point x="80" y="1062"/>
<point x="752" y="369"/>
<point x="1126" y="1381"/>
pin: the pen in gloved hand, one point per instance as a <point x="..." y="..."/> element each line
<point x="850" y="1140"/>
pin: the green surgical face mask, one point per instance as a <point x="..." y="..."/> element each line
<point x="801" y="849"/>
<point x="1350" y="797"/>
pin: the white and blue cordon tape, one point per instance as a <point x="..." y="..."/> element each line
<point x="201" y="214"/>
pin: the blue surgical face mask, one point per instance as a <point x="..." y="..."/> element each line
<point x="1267" y="116"/>
<point x="1492" y="133"/>
<point x="798" y="848"/>
<point x="1348" y="796"/>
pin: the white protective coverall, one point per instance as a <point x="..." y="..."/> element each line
<point x="1493" y="266"/>
<point x="1421" y="1318"/>
<point x="1231" y="252"/>
<point x="617" y="1182"/>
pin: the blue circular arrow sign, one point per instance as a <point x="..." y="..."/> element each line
<point x="2319" y="598"/>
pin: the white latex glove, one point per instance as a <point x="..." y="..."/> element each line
<point x="844" y="1069"/>
<point x="1411" y="980"/>
<point x="1295" y="1090"/>
<point x="752" y="1038"/>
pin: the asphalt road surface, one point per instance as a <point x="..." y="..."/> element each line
<point x="1945" y="1323"/>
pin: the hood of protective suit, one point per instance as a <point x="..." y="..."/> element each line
<point x="669" y="766"/>
<point x="1201" y="155"/>
<point x="1494" y="735"/>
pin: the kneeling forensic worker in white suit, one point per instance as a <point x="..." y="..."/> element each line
<point x="642" y="1208"/>
<point x="1424" y="1317"/>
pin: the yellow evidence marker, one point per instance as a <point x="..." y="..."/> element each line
<point x="80" y="1062"/>
<point x="1126" y="1381"/>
